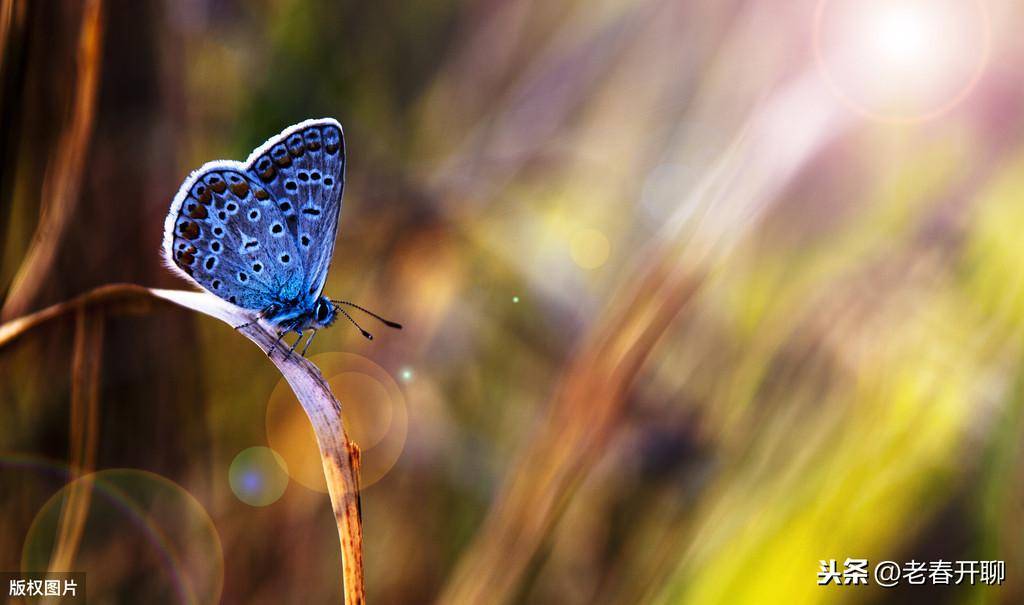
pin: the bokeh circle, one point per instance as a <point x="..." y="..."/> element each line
<point x="139" y="531"/>
<point x="373" y="411"/>
<point x="258" y="476"/>
<point x="589" y="248"/>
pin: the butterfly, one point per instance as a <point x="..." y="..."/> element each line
<point x="260" y="233"/>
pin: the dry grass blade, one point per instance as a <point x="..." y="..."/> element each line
<point x="6" y="16"/>
<point x="109" y="295"/>
<point x="64" y="174"/>
<point x="340" y="457"/>
<point x="591" y="396"/>
<point x="85" y="378"/>
<point x="589" y="402"/>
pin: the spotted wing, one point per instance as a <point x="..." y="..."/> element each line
<point x="227" y="233"/>
<point x="303" y="168"/>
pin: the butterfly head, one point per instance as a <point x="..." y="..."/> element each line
<point x="324" y="312"/>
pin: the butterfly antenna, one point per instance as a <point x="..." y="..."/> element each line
<point x="359" y="327"/>
<point x="386" y="322"/>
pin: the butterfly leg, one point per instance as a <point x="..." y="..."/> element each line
<point x="267" y="310"/>
<point x="280" y="336"/>
<point x="295" y="344"/>
<point x="308" y="340"/>
<point x="273" y="347"/>
<point x="248" y="323"/>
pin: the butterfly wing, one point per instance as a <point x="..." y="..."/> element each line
<point x="303" y="168"/>
<point x="226" y="233"/>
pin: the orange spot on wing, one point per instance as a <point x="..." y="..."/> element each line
<point x="188" y="230"/>
<point x="240" y="189"/>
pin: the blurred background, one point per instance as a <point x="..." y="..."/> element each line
<point x="696" y="294"/>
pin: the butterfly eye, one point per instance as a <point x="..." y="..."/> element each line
<point x="322" y="312"/>
<point x="328" y="181"/>
<point x="291" y="185"/>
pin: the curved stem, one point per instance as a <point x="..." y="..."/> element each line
<point x="340" y="457"/>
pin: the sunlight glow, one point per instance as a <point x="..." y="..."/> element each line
<point x="902" y="59"/>
<point x="904" y="36"/>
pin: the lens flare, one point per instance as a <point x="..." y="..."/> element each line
<point x="258" y="476"/>
<point x="903" y="37"/>
<point x="901" y="60"/>
<point x="373" y="410"/>
<point x="139" y="525"/>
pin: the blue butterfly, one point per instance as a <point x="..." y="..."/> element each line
<point x="260" y="234"/>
